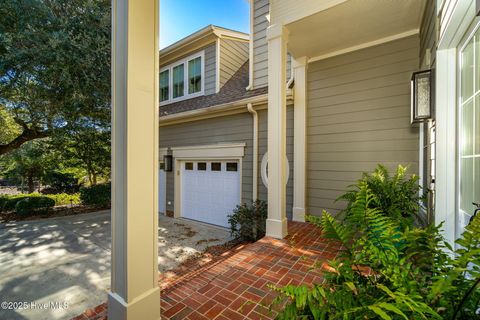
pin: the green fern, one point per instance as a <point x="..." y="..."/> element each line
<point x="412" y="274"/>
<point x="396" y="196"/>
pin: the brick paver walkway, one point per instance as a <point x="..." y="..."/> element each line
<point x="235" y="285"/>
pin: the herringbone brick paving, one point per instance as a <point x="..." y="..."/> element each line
<point x="235" y="285"/>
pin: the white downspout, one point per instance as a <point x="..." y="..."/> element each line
<point x="255" y="151"/>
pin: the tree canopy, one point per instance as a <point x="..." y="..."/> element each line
<point x="54" y="68"/>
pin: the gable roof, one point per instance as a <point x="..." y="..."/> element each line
<point x="233" y="90"/>
<point x="198" y="39"/>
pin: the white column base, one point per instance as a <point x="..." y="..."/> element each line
<point x="276" y="228"/>
<point x="298" y="214"/>
<point x="145" y="307"/>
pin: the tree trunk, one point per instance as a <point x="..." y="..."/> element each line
<point x="94" y="178"/>
<point x="25" y="136"/>
<point x="31" y="185"/>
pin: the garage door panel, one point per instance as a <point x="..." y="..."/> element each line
<point x="209" y="191"/>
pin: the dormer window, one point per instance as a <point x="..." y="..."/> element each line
<point x="195" y="75"/>
<point x="164" y="85"/>
<point x="182" y="79"/>
<point x="178" y="80"/>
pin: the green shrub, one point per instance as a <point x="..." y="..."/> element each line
<point x="61" y="181"/>
<point x="3" y="200"/>
<point x="96" y="195"/>
<point x="65" y="198"/>
<point x="9" y="202"/>
<point x="412" y="275"/>
<point x="395" y="195"/>
<point x="34" y="205"/>
<point x="248" y="222"/>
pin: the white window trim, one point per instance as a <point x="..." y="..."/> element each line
<point x="186" y="95"/>
<point x="462" y="217"/>
<point x="446" y="196"/>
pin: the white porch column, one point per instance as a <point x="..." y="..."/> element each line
<point x="299" y="137"/>
<point x="277" y="118"/>
<point x="134" y="289"/>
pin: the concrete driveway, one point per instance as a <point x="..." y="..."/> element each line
<point x="57" y="268"/>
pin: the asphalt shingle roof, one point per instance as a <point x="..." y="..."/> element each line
<point x="232" y="91"/>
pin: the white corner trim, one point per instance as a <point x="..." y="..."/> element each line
<point x="366" y="45"/>
<point x="217" y="66"/>
<point x="212" y="151"/>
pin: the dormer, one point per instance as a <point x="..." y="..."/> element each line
<point x="201" y="64"/>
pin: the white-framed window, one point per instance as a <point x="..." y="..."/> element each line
<point x="469" y="127"/>
<point x="164" y="85"/>
<point x="183" y="79"/>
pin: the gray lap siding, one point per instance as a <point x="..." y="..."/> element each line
<point x="358" y="116"/>
<point x="237" y="128"/>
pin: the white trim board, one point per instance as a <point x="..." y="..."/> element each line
<point x="214" y="151"/>
<point x="366" y="45"/>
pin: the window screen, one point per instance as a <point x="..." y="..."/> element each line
<point x="178" y="81"/>
<point x="164" y="85"/>
<point x="195" y="75"/>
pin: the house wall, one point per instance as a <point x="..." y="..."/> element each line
<point x="263" y="142"/>
<point x="210" y="69"/>
<point x="233" y="54"/>
<point x="428" y="50"/>
<point x="428" y="34"/>
<point x="236" y="128"/>
<point x="358" y="115"/>
<point x="260" y="53"/>
<point x="260" y="45"/>
<point x="210" y="66"/>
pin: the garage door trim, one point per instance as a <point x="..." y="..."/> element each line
<point x="233" y="151"/>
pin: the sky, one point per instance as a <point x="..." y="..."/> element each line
<point x="179" y="18"/>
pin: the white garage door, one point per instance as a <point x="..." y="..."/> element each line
<point x="210" y="190"/>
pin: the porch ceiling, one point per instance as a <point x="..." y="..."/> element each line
<point x="353" y="23"/>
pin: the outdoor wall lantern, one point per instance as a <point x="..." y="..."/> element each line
<point x="167" y="160"/>
<point x="421" y="92"/>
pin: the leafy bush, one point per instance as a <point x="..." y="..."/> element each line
<point x="3" y="200"/>
<point x="33" y="205"/>
<point x="9" y="202"/>
<point x="61" y="181"/>
<point x="96" y="195"/>
<point x="248" y="222"/>
<point x="386" y="272"/>
<point x="396" y="196"/>
<point x="65" y="198"/>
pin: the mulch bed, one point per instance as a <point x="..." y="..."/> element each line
<point x="58" y="211"/>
